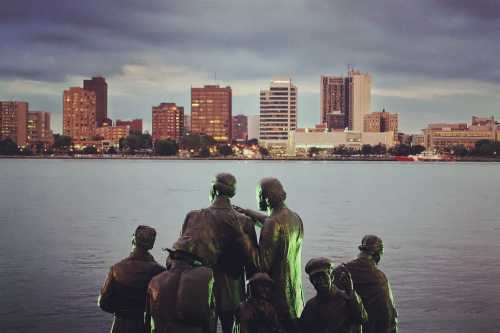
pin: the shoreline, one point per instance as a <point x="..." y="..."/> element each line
<point x="174" y="158"/>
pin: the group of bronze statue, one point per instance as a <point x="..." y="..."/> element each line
<point x="217" y="252"/>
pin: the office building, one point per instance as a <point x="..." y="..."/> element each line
<point x="441" y="136"/>
<point x="240" y="128"/>
<point x="278" y="113"/>
<point x="99" y="86"/>
<point x="344" y="101"/>
<point x="113" y="134"/>
<point x="211" y="112"/>
<point x="13" y="118"/>
<point x="38" y="128"/>
<point x="135" y="125"/>
<point x="381" y="122"/>
<point x="253" y="127"/>
<point x="168" y="122"/>
<point x="79" y="114"/>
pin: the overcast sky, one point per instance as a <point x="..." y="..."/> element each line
<point x="431" y="60"/>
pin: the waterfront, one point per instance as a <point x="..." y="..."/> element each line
<point x="64" y="222"/>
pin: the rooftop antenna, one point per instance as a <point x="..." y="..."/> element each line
<point x="215" y="77"/>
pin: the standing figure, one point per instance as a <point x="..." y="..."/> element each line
<point x="332" y="310"/>
<point x="373" y="287"/>
<point x="257" y="313"/>
<point x="222" y="239"/>
<point x="280" y="249"/>
<point x="124" y="292"/>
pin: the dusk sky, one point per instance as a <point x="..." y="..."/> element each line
<point x="431" y="60"/>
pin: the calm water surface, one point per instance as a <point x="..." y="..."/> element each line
<point x="64" y="222"/>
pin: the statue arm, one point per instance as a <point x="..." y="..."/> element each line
<point x="257" y="218"/>
<point x="105" y="300"/>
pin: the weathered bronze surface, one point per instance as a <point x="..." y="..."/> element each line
<point x="182" y="299"/>
<point x="332" y="309"/>
<point x="257" y="314"/>
<point x="225" y="240"/>
<point x="373" y="287"/>
<point x="124" y="291"/>
<point x="280" y="248"/>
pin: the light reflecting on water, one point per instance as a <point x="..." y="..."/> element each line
<point x="63" y="223"/>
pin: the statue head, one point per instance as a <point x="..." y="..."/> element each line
<point x="270" y="193"/>
<point x="260" y="286"/>
<point x="320" y="271"/>
<point x="144" y="237"/>
<point x="224" y="184"/>
<point x="372" y="245"/>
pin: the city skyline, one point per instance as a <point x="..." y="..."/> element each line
<point x="430" y="61"/>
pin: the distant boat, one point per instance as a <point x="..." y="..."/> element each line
<point x="401" y="158"/>
<point x="433" y="157"/>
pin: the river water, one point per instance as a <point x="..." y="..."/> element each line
<point x="63" y="223"/>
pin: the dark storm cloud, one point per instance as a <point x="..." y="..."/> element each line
<point x="434" y="38"/>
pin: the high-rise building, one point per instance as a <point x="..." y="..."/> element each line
<point x="13" y="118"/>
<point x="381" y="122"/>
<point x="253" y="127"/>
<point x="334" y="102"/>
<point x="38" y="128"/>
<point x="100" y="88"/>
<point x="168" y="122"/>
<point x="345" y="101"/>
<point x="79" y="113"/>
<point x="240" y="128"/>
<point x="134" y="124"/>
<point x="360" y="98"/>
<point x="211" y="112"/>
<point x="278" y="111"/>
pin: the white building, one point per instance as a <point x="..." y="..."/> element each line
<point x="303" y="139"/>
<point x="253" y="127"/>
<point x="278" y="113"/>
<point x="361" y="98"/>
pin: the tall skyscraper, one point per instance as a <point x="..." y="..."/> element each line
<point x="278" y="111"/>
<point x="168" y="122"/>
<point x="211" y="112"/>
<point x="38" y="127"/>
<point x="240" y="128"/>
<point x="334" y="102"/>
<point x="360" y="98"/>
<point x="79" y="113"/>
<point x="13" y="118"/>
<point x="100" y="88"/>
<point x="345" y="101"/>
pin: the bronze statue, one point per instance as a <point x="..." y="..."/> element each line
<point x="257" y="314"/>
<point x="373" y="287"/>
<point x="124" y="292"/>
<point x="221" y="238"/>
<point x="182" y="298"/>
<point x="280" y="247"/>
<point x="332" y="310"/>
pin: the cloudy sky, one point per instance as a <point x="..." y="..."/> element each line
<point x="431" y="60"/>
